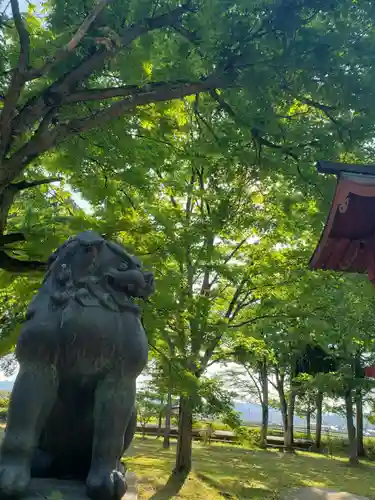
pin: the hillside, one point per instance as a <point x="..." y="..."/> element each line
<point x="251" y="412"/>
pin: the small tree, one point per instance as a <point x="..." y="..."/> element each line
<point x="306" y="407"/>
<point x="251" y="381"/>
<point x="148" y="407"/>
<point x="216" y="403"/>
<point x="4" y="403"/>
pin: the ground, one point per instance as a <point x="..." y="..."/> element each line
<point x="233" y="472"/>
<point x="223" y="471"/>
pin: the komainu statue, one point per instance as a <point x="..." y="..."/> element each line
<point x="82" y="346"/>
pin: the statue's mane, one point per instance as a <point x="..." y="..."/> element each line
<point x="76" y="272"/>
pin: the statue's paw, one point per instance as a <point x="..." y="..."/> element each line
<point x="106" y="485"/>
<point x="14" y="479"/>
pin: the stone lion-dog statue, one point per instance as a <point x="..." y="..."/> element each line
<point x="72" y="410"/>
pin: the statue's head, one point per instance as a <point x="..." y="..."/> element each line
<point x="88" y="261"/>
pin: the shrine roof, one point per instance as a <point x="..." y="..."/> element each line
<point x="327" y="167"/>
<point x="348" y="239"/>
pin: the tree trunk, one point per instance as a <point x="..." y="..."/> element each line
<point x="288" y="438"/>
<point x="167" y="429"/>
<point x="160" y="423"/>
<point x="319" y="419"/>
<point x="359" y="420"/>
<point x="263" y="372"/>
<point x="185" y="437"/>
<point x="353" y="454"/>
<point x="160" y="417"/>
<point x="283" y="404"/>
<point x="308" y="423"/>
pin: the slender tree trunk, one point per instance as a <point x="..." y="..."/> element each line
<point x="353" y="452"/>
<point x="283" y="403"/>
<point x="160" y="417"/>
<point x="185" y="437"/>
<point x="168" y="414"/>
<point x="284" y="414"/>
<point x="359" y="420"/>
<point x="288" y="439"/>
<point x="160" y="423"/>
<point x="308" y="423"/>
<point x="319" y="419"/>
<point x="263" y="372"/>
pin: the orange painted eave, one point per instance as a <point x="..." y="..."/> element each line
<point x="348" y="236"/>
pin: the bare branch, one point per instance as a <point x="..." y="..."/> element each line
<point x="71" y="45"/>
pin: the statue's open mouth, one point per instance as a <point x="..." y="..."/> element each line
<point x="134" y="282"/>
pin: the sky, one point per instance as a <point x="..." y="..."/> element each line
<point x="23" y="4"/>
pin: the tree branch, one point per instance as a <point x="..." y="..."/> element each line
<point x="17" y="81"/>
<point x="13" y="265"/>
<point x="192" y="37"/>
<point x="83" y="70"/>
<point x="29" y="184"/>
<point x="159" y="93"/>
<point x="254" y="320"/>
<point x="230" y="256"/>
<point x="255" y="382"/>
<point x="23" y="35"/>
<point x="71" y="45"/>
<point x="57" y="92"/>
<point x="228" y="315"/>
<point x="100" y="94"/>
<point x="42" y="142"/>
<point x="223" y="104"/>
<point x="5" y="239"/>
<point x="234" y="300"/>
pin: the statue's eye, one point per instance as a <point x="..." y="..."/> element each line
<point x="123" y="266"/>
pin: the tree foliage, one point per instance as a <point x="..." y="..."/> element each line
<point x="190" y="130"/>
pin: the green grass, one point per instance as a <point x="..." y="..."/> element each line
<point x="233" y="472"/>
<point x="222" y="471"/>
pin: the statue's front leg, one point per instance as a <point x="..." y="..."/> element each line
<point x="114" y="405"/>
<point x="33" y="395"/>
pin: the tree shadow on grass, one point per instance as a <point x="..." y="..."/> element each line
<point x="243" y="492"/>
<point x="171" y="488"/>
<point x="278" y="472"/>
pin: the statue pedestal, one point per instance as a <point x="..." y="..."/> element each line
<point x="54" y="489"/>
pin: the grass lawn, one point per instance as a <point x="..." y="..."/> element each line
<point x="233" y="472"/>
<point x="222" y="471"/>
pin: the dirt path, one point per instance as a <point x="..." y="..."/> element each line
<point x="321" y="494"/>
